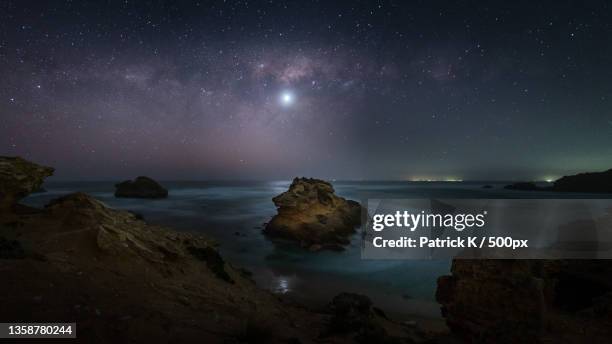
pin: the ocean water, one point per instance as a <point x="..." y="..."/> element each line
<point x="233" y="213"/>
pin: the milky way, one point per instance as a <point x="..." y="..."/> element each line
<point x="271" y="90"/>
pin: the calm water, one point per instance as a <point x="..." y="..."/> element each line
<point x="233" y="213"/>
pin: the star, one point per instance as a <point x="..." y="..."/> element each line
<point x="287" y="98"/>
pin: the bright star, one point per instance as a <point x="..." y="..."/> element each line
<point x="286" y="98"/>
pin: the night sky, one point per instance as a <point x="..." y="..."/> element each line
<point x="271" y="90"/>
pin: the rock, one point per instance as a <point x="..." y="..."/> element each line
<point x="513" y="301"/>
<point x="590" y="182"/>
<point x="487" y="186"/>
<point x="213" y="260"/>
<point x="19" y="178"/>
<point x="596" y="182"/>
<point x="11" y="249"/>
<point x="354" y="316"/>
<point x="311" y="214"/>
<point x="141" y="187"/>
<point x="121" y="233"/>
<point x="350" y="312"/>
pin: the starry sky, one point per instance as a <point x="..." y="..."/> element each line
<point x="401" y="90"/>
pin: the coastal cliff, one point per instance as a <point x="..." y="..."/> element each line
<point x="19" y="178"/>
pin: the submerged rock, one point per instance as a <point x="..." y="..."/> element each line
<point x="312" y="215"/>
<point x="141" y="187"/>
<point x="19" y="178"/>
<point x="515" y="301"/>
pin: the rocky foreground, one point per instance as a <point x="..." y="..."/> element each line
<point x="311" y="214"/>
<point x="123" y="280"/>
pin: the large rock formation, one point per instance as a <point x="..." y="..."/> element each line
<point x="312" y="215"/>
<point x="19" y="178"/>
<point x="141" y="187"/>
<point x="528" y="301"/>
<point x="585" y="182"/>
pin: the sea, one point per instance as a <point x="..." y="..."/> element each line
<point x="234" y="213"/>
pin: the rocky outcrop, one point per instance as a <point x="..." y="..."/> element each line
<point x="122" y="233"/>
<point x="311" y="214"/>
<point x="535" y="301"/>
<point x="141" y="187"/>
<point x="596" y="182"/>
<point x="19" y="178"/>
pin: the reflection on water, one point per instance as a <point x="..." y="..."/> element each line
<point x="282" y="285"/>
<point x="234" y="212"/>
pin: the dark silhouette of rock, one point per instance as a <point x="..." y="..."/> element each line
<point x="312" y="215"/>
<point x="487" y="186"/>
<point x="141" y="187"/>
<point x="528" y="301"/>
<point x="350" y="312"/>
<point x="590" y="182"/>
<point x="596" y="182"/>
<point x="355" y="317"/>
<point x="10" y="249"/>
<point x="19" y="178"/>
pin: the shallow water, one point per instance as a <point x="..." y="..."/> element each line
<point x="233" y="213"/>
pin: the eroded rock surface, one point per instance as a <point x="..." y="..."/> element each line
<point x="19" y="178"/>
<point x="141" y="187"/>
<point x="311" y="214"/>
